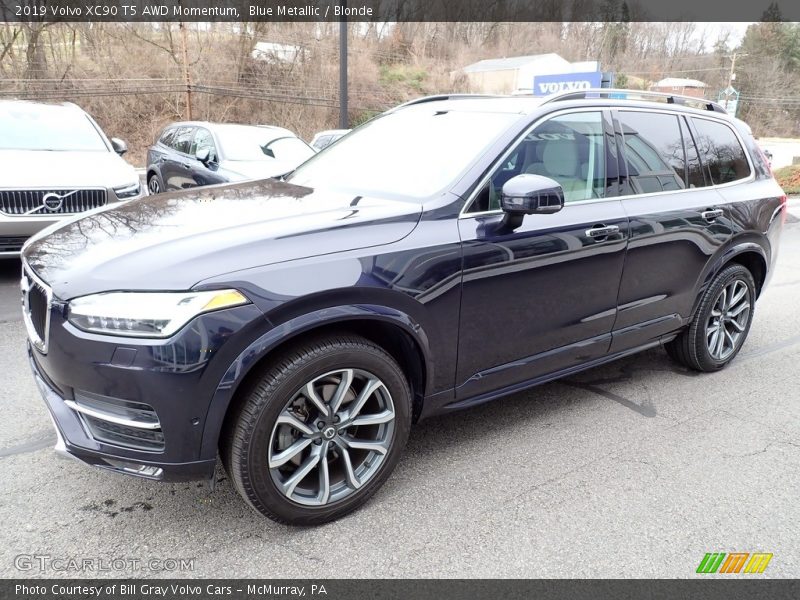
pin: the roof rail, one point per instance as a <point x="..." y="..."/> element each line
<point x="690" y="101"/>
<point x="438" y="97"/>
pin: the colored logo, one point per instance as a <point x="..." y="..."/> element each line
<point x="735" y="562"/>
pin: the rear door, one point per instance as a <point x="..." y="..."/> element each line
<point x="158" y="153"/>
<point x="677" y="218"/>
<point x="543" y="297"/>
<point x="176" y="170"/>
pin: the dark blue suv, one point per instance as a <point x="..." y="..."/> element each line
<point x="449" y="252"/>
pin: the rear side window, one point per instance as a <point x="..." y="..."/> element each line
<point x="694" y="168"/>
<point x="721" y="151"/>
<point x="166" y="136"/>
<point x="654" y="152"/>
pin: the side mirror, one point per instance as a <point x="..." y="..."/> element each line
<point x="529" y="194"/>
<point x="119" y="146"/>
<point x="203" y="155"/>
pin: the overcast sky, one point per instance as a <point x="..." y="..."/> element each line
<point x="713" y="31"/>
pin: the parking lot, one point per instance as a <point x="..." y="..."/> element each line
<point x="634" y="469"/>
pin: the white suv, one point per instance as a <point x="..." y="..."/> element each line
<point x="56" y="162"/>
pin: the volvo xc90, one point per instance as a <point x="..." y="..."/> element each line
<point x="449" y="252"/>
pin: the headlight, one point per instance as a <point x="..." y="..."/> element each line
<point x="128" y="191"/>
<point x="146" y="314"/>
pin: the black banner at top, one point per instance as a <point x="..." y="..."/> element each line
<point x="399" y="10"/>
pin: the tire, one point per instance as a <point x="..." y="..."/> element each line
<point x="154" y="185"/>
<point x="697" y="347"/>
<point x="278" y="415"/>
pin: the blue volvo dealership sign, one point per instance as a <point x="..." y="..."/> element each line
<point x="544" y="85"/>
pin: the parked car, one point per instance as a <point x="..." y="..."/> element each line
<point x="193" y="154"/>
<point x="55" y="161"/>
<point x="449" y="252"/>
<point x="325" y="138"/>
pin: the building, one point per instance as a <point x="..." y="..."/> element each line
<point x="515" y="75"/>
<point x="270" y="51"/>
<point x="680" y="86"/>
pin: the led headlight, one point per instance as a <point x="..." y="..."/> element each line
<point x="128" y="191"/>
<point x="146" y="314"/>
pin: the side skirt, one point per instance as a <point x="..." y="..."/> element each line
<point x="524" y="385"/>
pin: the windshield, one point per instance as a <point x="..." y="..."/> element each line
<point x="413" y="153"/>
<point x="42" y="127"/>
<point x="242" y="142"/>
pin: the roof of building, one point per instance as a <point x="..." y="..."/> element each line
<point x="512" y="62"/>
<point x="679" y="82"/>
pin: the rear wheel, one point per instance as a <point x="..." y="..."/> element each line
<point x="721" y="324"/>
<point x="154" y="184"/>
<point x="321" y="431"/>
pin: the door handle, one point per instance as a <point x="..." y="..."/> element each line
<point x="711" y="214"/>
<point x="185" y="166"/>
<point x="602" y="231"/>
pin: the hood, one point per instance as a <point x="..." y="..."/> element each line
<point x="64" y="169"/>
<point x="172" y="241"/>
<point x="257" y="169"/>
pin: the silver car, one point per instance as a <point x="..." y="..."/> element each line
<point x="56" y="162"/>
<point x="323" y="139"/>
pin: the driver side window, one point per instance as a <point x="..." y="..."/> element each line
<point x="569" y="149"/>
<point x="202" y="140"/>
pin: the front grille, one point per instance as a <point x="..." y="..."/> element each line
<point x="119" y="422"/>
<point x="35" y="309"/>
<point x="50" y="202"/>
<point x="11" y="243"/>
<point x="37" y="306"/>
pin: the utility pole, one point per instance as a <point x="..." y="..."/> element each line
<point x="344" y="122"/>
<point x="186" y="76"/>
<point x="732" y="74"/>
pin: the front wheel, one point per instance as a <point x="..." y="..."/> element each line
<point x="320" y="431"/>
<point x="721" y="324"/>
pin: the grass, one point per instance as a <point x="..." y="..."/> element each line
<point x="403" y="75"/>
<point x="789" y="179"/>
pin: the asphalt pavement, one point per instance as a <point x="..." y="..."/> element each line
<point x="634" y="469"/>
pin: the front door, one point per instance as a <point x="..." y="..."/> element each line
<point x="543" y="297"/>
<point x="204" y="173"/>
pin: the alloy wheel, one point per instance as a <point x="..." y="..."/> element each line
<point x="728" y="320"/>
<point x="153" y="186"/>
<point x="331" y="437"/>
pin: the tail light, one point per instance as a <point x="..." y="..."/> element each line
<point x="784" y="208"/>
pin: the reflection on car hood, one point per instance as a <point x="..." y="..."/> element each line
<point x="36" y="169"/>
<point x="257" y="169"/>
<point x="172" y="241"/>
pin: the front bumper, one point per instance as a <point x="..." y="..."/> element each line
<point x="176" y="377"/>
<point x="73" y="441"/>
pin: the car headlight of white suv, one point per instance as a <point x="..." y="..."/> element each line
<point x="130" y="190"/>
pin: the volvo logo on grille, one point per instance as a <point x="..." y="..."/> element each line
<point x="52" y="202"/>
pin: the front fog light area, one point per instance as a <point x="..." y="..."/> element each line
<point x="146" y="314"/>
<point x="128" y="191"/>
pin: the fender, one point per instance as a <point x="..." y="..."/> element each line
<point x="750" y="242"/>
<point x="152" y="170"/>
<point x="287" y="330"/>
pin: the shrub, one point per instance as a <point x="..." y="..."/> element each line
<point x="789" y="179"/>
